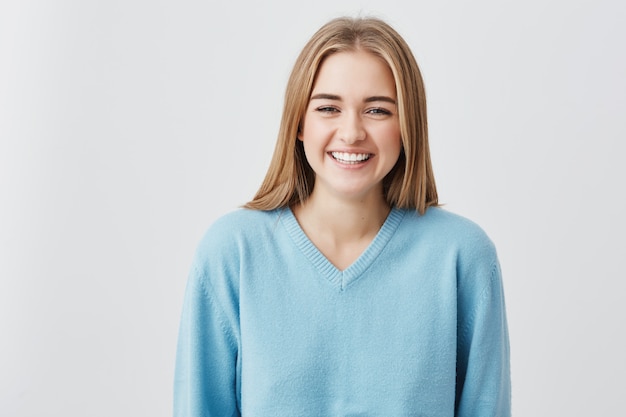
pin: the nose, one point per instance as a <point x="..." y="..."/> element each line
<point x="351" y="129"/>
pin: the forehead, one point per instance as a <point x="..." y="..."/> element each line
<point x="357" y="71"/>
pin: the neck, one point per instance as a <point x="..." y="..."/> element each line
<point x="343" y="220"/>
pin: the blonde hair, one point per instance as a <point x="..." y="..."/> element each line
<point x="410" y="183"/>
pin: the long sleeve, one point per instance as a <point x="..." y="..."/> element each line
<point x="483" y="369"/>
<point x="206" y="360"/>
<point x="416" y="326"/>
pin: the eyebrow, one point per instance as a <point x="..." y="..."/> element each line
<point x="323" y="96"/>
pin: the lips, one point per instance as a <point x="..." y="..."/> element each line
<point x="350" y="158"/>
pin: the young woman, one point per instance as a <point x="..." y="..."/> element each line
<point x="341" y="289"/>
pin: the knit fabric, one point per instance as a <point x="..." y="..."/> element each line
<point x="416" y="326"/>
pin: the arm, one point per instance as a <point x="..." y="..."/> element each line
<point x="483" y="369"/>
<point x="206" y="359"/>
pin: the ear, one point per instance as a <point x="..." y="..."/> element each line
<point x="299" y="134"/>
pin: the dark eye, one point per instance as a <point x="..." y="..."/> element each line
<point x="379" y="111"/>
<point x="326" y="109"/>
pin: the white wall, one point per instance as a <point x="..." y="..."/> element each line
<point x="127" y="127"/>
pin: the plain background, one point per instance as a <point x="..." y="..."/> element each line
<point x="127" y="127"/>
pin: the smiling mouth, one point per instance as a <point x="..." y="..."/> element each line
<point x="350" y="158"/>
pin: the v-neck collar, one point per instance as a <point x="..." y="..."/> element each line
<point x="341" y="279"/>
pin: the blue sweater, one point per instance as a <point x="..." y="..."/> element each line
<point x="416" y="326"/>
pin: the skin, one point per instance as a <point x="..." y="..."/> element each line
<point x="352" y="114"/>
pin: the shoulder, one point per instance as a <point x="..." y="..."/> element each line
<point x="217" y="261"/>
<point x="454" y="241"/>
<point x="233" y="234"/>
<point x="239" y="224"/>
<point x="444" y="228"/>
<point x="242" y="219"/>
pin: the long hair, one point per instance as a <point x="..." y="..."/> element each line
<point x="410" y="183"/>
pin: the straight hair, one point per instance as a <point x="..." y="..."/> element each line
<point x="410" y="183"/>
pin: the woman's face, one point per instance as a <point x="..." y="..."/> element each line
<point x="351" y="130"/>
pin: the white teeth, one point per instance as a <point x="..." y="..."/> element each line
<point x="350" y="157"/>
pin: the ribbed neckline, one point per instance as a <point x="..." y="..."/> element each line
<point x="341" y="279"/>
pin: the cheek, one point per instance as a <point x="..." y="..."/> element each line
<point x="312" y="150"/>
<point x="394" y="150"/>
<point x="393" y="142"/>
<point x="312" y="135"/>
<point x="397" y="150"/>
